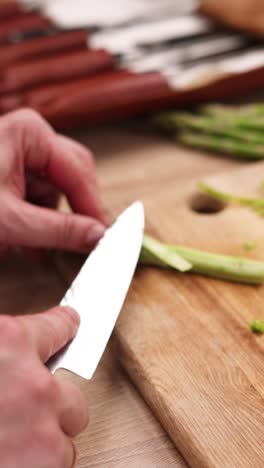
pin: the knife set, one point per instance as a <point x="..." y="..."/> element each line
<point x="76" y="62"/>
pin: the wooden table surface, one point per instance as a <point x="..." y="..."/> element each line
<point x="122" y="432"/>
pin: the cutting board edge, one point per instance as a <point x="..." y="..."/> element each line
<point x="129" y="362"/>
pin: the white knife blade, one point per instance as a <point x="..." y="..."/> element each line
<point x="99" y="291"/>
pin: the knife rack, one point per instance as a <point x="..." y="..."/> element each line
<point x="98" y="73"/>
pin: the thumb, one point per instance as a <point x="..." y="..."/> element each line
<point x="42" y="227"/>
<point x="51" y="330"/>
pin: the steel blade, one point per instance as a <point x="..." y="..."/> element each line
<point x="99" y="291"/>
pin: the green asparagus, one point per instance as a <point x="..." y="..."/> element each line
<point x="237" y="131"/>
<point x="153" y="249"/>
<point x="204" y="124"/>
<point x="255" y="204"/>
<point x="223" y="111"/>
<point x="218" y="266"/>
<point x="236" y="148"/>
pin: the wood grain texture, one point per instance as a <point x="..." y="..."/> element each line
<point x="185" y="339"/>
<point x="175" y="337"/>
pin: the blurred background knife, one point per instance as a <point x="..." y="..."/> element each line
<point x="140" y="57"/>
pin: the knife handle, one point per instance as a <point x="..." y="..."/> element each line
<point x="42" y="46"/>
<point x="63" y="67"/>
<point x="39" y="98"/>
<point x="111" y="96"/>
<point x="102" y="97"/>
<point x="123" y="94"/>
<point x="10" y="9"/>
<point x="21" y="24"/>
<point x="120" y="93"/>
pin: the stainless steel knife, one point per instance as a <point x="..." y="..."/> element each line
<point x="99" y="291"/>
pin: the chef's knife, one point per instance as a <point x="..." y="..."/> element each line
<point x="82" y="62"/>
<point x="99" y="291"/>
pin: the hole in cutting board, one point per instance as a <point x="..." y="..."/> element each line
<point x="204" y="204"/>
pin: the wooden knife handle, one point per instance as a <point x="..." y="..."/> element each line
<point x="42" y="96"/>
<point x="9" y="9"/>
<point x="41" y="46"/>
<point x="121" y="93"/>
<point x="61" y="68"/>
<point x="108" y="97"/>
<point x="22" y="23"/>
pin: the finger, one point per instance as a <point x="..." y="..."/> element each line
<point x="52" y="330"/>
<point x="35" y="255"/>
<point x="90" y="199"/>
<point x="41" y="192"/>
<point x="68" y="456"/>
<point x="31" y="226"/>
<point x="72" y="409"/>
<point x="68" y="165"/>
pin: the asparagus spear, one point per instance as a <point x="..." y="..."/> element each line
<point x="251" y="118"/>
<point x="220" y="110"/>
<point x="236" y="148"/>
<point x="184" y="121"/>
<point x="255" y="204"/>
<point x="153" y="249"/>
<point x="218" y="266"/>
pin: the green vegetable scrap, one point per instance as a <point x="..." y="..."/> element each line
<point x="255" y="204"/>
<point x="249" y="246"/>
<point x="160" y="254"/>
<point x="187" y="259"/>
<point x="257" y="326"/>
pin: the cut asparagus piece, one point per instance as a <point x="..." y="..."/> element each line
<point x="255" y="204"/>
<point x="249" y="246"/>
<point x="210" y="264"/>
<point x="159" y="253"/>
<point x="257" y="326"/>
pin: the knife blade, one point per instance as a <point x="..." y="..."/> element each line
<point x="99" y="291"/>
<point x="111" y="14"/>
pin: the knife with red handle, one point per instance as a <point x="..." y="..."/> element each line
<point x="57" y="68"/>
<point x="66" y="66"/>
<point x="84" y="62"/>
<point x="140" y="82"/>
<point x="129" y="92"/>
<point x="9" y="9"/>
<point x="40" y="97"/>
<point x="135" y="94"/>
<point x="123" y="93"/>
<point x="22" y="23"/>
<point x="52" y="44"/>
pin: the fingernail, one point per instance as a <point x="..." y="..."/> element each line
<point x="95" y="233"/>
<point x="74" y="314"/>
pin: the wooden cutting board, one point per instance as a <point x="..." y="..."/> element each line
<point x="184" y="339"/>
